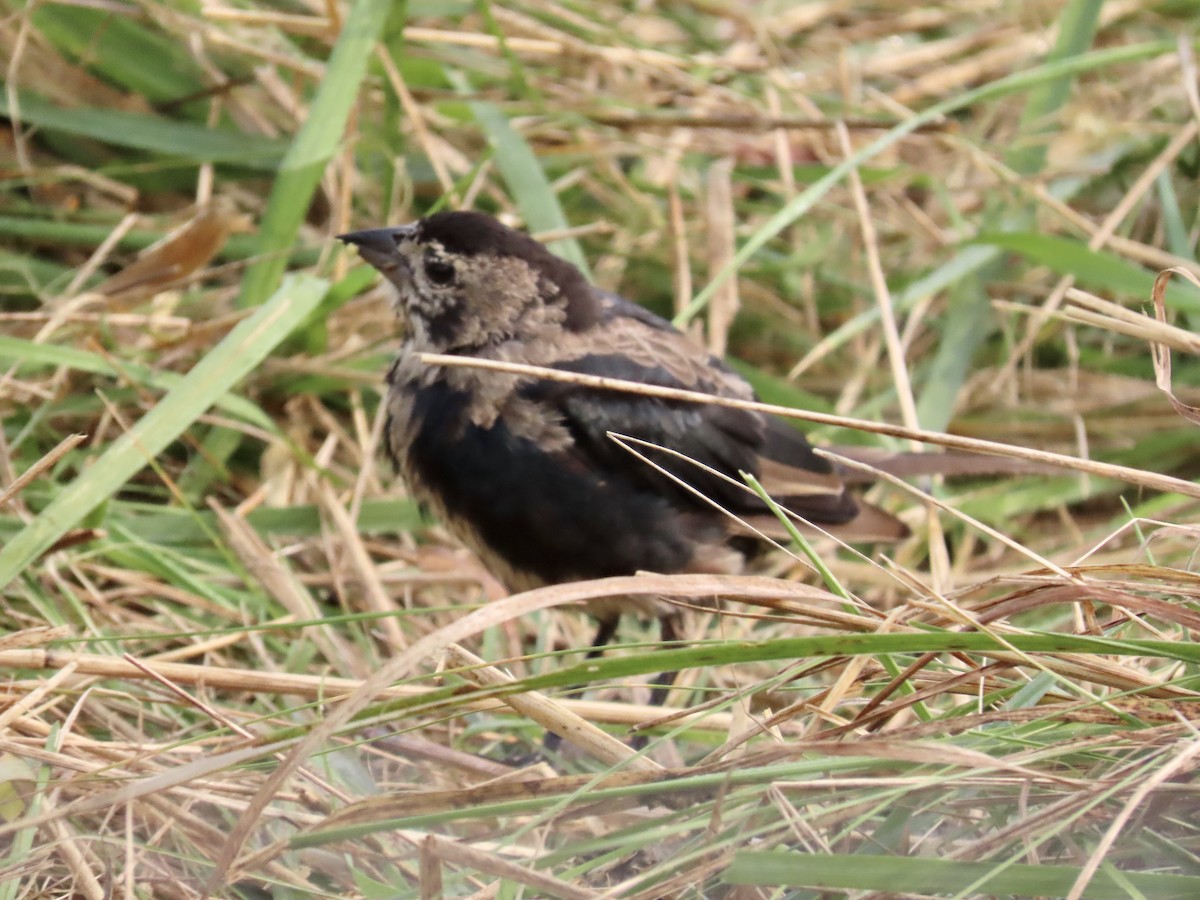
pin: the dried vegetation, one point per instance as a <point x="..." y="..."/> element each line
<point x="237" y="661"/>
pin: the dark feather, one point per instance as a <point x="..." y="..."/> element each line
<point x="474" y="234"/>
<point x="723" y="439"/>
<point x="562" y="522"/>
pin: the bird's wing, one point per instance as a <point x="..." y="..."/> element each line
<point x="712" y="444"/>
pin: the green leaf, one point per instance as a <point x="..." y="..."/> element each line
<point x="967" y="322"/>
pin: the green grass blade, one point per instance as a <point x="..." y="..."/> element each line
<point x="126" y="52"/>
<point x="527" y="182"/>
<point x="150" y="133"/>
<point x="968" y="321"/>
<point x="1094" y="269"/>
<point x="926" y="875"/>
<point x="807" y="199"/>
<point x="243" y="349"/>
<point x="314" y="146"/>
<point x="180" y="527"/>
<point x="710" y="653"/>
<point x="25" y="353"/>
<point x="1077" y="26"/>
<point x="1175" y="228"/>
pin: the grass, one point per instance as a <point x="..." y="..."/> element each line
<point x="239" y="661"/>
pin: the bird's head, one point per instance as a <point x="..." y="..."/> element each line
<point x="465" y="281"/>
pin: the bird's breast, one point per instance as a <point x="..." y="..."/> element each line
<point x="513" y="487"/>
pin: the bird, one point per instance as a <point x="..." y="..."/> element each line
<point x="526" y="471"/>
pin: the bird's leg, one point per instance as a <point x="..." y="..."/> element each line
<point x="604" y="635"/>
<point x="664" y="681"/>
<point x="669" y="629"/>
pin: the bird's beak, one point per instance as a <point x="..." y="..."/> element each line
<point x="378" y="245"/>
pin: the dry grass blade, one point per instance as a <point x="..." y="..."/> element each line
<point x="545" y="885"/>
<point x="1183" y="761"/>
<point x="176" y="256"/>
<point x="38" y="695"/>
<point x="1162" y="353"/>
<point x="217" y="716"/>
<point x="65" y="446"/>
<point x="883" y="299"/>
<point x="1088" y="309"/>
<point x="402" y="664"/>
<point x="309" y="687"/>
<point x="362" y="568"/>
<point x="723" y="307"/>
<point x="255" y="570"/>
<point x="187" y="774"/>
<point x="550" y="715"/>
<point x="282" y="584"/>
<point x="1184" y="139"/>
<point x="1105" y="470"/>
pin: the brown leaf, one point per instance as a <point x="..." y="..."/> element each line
<point x="1161" y="353"/>
<point x="177" y="255"/>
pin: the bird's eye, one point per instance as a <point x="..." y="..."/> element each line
<point x="439" y="271"/>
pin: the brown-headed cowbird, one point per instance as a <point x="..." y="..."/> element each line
<point x="524" y="471"/>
